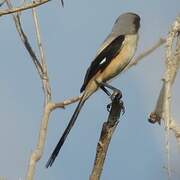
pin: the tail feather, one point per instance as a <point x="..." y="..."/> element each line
<point x="66" y="132"/>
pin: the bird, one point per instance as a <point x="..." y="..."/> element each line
<point x="113" y="56"/>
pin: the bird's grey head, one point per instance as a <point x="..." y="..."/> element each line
<point x="127" y="23"/>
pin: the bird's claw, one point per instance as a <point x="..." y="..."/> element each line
<point x="122" y="107"/>
<point x="109" y="107"/>
<point x="116" y="95"/>
<point x="120" y="102"/>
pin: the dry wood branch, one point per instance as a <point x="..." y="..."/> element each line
<point x="105" y="137"/>
<point x="42" y="71"/>
<point x="163" y="105"/>
<point x="48" y="105"/>
<point x="24" y="7"/>
<point x="66" y="102"/>
<point x="175" y="129"/>
<point x="37" y="153"/>
<point x="162" y="108"/>
<point x="45" y="78"/>
<point x="25" y="40"/>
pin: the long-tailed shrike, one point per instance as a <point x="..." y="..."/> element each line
<point x="111" y="59"/>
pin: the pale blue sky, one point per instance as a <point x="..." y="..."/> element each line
<point x="71" y="36"/>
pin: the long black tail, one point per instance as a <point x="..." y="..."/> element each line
<point x="66" y="132"/>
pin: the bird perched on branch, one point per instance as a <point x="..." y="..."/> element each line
<point x="111" y="59"/>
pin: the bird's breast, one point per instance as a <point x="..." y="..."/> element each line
<point x="122" y="59"/>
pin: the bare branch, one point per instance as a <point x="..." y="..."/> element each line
<point x="48" y="105"/>
<point x="176" y="130"/>
<point x="25" y="41"/>
<point x="22" y="8"/>
<point x="172" y="67"/>
<point x="163" y="105"/>
<point x="105" y="137"/>
<point x="66" y="102"/>
<point x="45" y="79"/>
<point x="37" y="153"/>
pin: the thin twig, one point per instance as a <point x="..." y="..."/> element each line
<point x="45" y="79"/>
<point x="48" y="106"/>
<point x="22" y="8"/>
<point x="37" y="153"/>
<point x="25" y="41"/>
<point x="42" y="71"/>
<point x="66" y="102"/>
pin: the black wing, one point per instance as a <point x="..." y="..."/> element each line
<point x="103" y="58"/>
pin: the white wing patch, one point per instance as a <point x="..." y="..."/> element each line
<point x="103" y="61"/>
